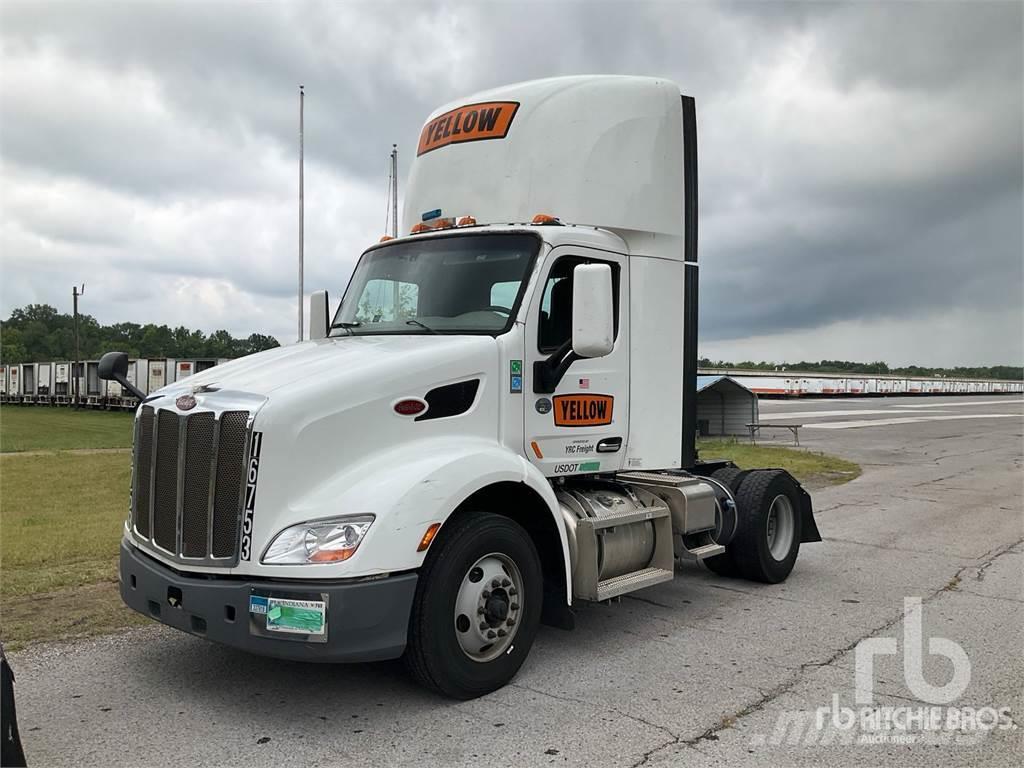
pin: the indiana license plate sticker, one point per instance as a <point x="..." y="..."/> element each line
<point x="299" y="617"/>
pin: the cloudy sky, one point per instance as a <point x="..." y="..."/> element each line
<point x="860" y="165"/>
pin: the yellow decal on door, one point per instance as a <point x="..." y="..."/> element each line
<point x="583" y="410"/>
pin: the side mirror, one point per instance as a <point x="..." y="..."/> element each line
<point x="318" y="319"/>
<point x="113" y="366"/>
<point x="593" y="321"/>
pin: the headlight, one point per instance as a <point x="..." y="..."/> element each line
<point x="319" y="541"/>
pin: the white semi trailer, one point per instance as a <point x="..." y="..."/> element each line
<point x="497" y="423"/>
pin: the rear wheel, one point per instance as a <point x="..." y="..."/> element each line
<point x="768" y="539"/>
<point x="477" y="607"/>
<point x="723" y="564"/>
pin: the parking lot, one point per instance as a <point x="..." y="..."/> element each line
<point x="698" y="671"/>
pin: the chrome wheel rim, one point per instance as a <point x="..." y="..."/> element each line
<point x="781" y="527"/>
<point x="489" y="607"/>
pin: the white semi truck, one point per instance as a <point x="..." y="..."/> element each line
<point x="496" y="423"/>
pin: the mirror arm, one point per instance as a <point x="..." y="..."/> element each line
<point x="548" y="372"/>
<point x="136" y="392"/>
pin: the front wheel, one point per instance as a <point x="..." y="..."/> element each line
<point x="477" y="607"/>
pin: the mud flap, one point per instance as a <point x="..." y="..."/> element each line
<point x="808" y="528"/>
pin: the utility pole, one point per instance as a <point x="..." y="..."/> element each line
<point x="302" y="99"/>
<point x="75" y="293"/>
<point x="394" y="190"/>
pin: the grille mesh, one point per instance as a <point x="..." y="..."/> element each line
<point x="230" y="474"/>
<point x="165" y="502"/>
<point x="143" y="471"/>
<point x="203" y="455"/>
<point x="195" y="501"/>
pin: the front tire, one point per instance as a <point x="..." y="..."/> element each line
<point x="477" y="607"/>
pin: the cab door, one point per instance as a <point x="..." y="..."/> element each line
<point x="582" y="426"/>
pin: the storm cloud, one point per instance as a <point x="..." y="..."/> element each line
<point x="860" y="164"/>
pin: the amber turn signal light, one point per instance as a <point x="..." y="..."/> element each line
<point x="428" y="537"/>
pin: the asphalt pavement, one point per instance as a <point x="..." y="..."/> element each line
<point x="702" y="670"/>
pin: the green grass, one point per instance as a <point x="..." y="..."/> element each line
<point x="61" y="517"/>
<point x="810" y="468"/>
<point x="41" y="428"/>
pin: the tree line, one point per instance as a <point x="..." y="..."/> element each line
<point x="39" y="333"/>
<point x="1005" y="372"/>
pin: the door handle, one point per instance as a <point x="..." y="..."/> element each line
<point x="609" y="445"/>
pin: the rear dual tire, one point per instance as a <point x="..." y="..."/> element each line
<point x="768" y="533"/>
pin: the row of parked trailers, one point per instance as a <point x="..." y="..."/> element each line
<point x="769" y="384"/>
<point x="54" y="383"/>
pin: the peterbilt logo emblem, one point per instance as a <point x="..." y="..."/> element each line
<point x="185" y="403"/>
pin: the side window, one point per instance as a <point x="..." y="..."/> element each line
<point x="556" y="302"/>
<point x="387" y="300"/>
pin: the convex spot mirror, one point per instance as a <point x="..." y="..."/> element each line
<point x="112" y="365"/>
<point x="593" y="313"/>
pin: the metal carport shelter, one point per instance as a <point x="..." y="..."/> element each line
<point x="724" y="406"/>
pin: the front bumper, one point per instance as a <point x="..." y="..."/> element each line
<point x="366" y="620"/>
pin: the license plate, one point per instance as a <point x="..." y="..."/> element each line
<point x="280" y="615"/>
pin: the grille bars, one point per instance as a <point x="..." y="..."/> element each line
<point x="188" y="483"/>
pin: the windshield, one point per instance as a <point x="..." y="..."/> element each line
<point x="460" y="284"/>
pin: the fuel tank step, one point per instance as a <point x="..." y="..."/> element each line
<point x="629" y="582"/>
<point x="706" y="550"/>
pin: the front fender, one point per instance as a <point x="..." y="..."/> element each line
<point x="409" y="488"/>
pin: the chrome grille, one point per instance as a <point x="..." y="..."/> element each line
<point x="165" y="486"/>
<point x="142" y="472"/>
<point x="195" y="501"/>
<point x="230" y="482"/>
<point x="188" y="480"/>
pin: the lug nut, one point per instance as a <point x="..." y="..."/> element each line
<point x="511" y="622"/>
<point x="486" y="593"/>
<point x="514" y="606"/>
<point x="480" y="610"/>
<point x="505" y="582"/>
<point x="502" y="633"/>
<point x="513" y="591"/>
<point x="495" y="583"/>
<point x="491" y="635"/>
<point x="483" y="626"/>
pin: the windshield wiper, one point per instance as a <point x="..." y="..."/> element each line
<point x="424" y="326"/>
<point x="346" y="325"/>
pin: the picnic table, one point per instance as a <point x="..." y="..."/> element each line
<point x="755" y="430"/>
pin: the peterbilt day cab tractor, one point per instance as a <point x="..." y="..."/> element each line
<point x="496" y="423"/>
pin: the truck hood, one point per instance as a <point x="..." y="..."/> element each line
<point x="333" y="360"/>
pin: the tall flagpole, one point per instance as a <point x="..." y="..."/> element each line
<point x="302" y="99"/>
<point x="394" y="190"/>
